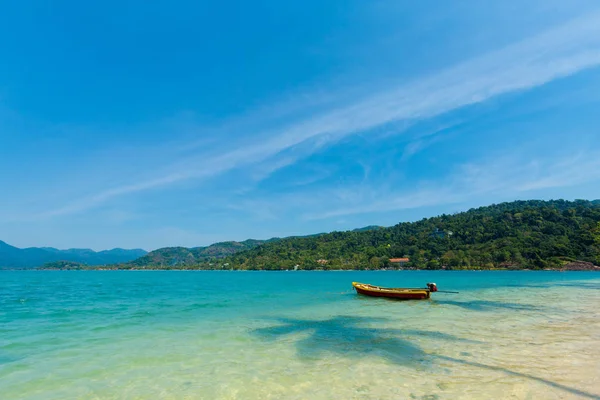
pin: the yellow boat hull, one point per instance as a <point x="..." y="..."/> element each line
<point x="395" y="293"/>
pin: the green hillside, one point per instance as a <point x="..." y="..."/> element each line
<point x="64" y="265"/>
<point x="521" y="234"/>
<point x="182" y="257"/>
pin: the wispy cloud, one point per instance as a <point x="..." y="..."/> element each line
<point x="505" y="177"/>
<point x="420" y="143"/>
<point x="553" y="54"/>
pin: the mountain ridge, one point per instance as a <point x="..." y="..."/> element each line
<point x="185" y="256"/>
<point x="12" y="257"/>
<point x="532" y="234"/>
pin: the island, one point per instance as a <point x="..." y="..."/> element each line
<point x="519" y="235"/>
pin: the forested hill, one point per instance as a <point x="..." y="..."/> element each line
<point x="521" y="234"/>
<point x="175" y="257"/>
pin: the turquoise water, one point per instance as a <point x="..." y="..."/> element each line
<point x="297" y="335"/>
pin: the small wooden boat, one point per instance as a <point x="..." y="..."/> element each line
<point x="395" y="293"/>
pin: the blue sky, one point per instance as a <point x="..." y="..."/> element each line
<point x="151" y="124"/>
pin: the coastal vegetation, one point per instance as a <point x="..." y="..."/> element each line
<point x="173" y="257"/>
<point x="521" y="234"/>
<point x="517" y="235"/>
<point x="71" y="265"/>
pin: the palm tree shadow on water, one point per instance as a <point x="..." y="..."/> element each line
<point x="345" y="335"/>
<point x="348" y="336"/>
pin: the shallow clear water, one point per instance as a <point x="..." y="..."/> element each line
<point x="297" y="335"/>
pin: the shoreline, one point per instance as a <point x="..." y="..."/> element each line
<point x="597" y="269"/>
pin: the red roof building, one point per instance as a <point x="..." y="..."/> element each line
<point x="399" y="260"/>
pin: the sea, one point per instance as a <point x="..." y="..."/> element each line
<point x="298" y="335"/>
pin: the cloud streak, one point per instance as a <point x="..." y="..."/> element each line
<point x="504" y="177"/>
<point x="557" y="53"/>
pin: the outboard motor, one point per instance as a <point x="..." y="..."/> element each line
<point x="432" y="287"/>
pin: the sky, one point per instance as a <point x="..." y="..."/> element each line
<point x="140" y="124"/>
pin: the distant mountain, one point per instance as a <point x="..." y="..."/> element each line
<point x="14" y="257"/>
<point x="532" y="234"/>
<point x="183" y="256"/>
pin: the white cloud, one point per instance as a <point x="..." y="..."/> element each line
<point x="556" y="53"/>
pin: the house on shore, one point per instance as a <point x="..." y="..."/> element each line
<point x="400" y="262"/>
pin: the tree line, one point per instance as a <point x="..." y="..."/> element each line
<point x="522" y="234"/>
<point x="530" y="234"/>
